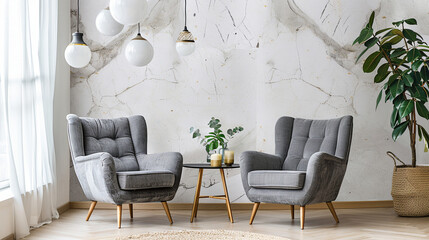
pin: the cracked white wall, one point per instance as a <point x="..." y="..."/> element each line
<point x="255" y="60"/>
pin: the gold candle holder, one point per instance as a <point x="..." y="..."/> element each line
<point x="216" y="160"/>
<point x="229" y="158"/>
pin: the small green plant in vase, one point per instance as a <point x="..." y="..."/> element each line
<point x="216" y="139"/>
<point x="400" y="56"/>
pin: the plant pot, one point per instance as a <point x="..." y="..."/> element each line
<point x="410" y="191"/>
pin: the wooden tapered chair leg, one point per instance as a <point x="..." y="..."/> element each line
<point x="119" y="211"/>
<point x="302" y="213"/>
<point x="255" y="209"/>
<point x="167" y="211"/>
<point x="131" y="210"/>
<point x="334" y="214"/>
<point x="91" y="209"/>
<point x="292" y="211"/>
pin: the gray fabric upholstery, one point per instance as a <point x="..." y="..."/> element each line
<point x="276" y="179"/>
<point x="318" y="147"/>
<point x="103" y="148"/>
<point x="134" y="180"/>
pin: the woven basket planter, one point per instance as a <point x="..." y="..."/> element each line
<point x="410" y="191"/>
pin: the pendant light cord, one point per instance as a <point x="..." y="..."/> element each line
<point x="138" y="28"/>
<point x="185" y="13"/>
<point x="77" y="19"/>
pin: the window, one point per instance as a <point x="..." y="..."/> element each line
<point x="12" y="52"/>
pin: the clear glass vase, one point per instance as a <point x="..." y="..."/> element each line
<point x="209" y="155"/>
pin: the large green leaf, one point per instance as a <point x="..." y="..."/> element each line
<point x="397" y="32"/>
<point x="422" y="110"/>
<point x="425" y="137"/>
<point x="424" y="73"/>
<point x="371" y="42"/>
<point x="398" y="101"/>
<point x="360" y="55"/>
<point x="416" y="77"/>
<point x="371" y="20"/>
<point x="382" y="31"/>
<point x="394" y="117"/>
<point x="410" y="34"/>
<point x="406" y="108"/>
<point x="408" y="80"/>
<point x="379" y="98"/>
<point x="413" y="54"/>
<point x="416" y="65"/>
<point x="418" y="92"/>
<point x="364" y="35"/>
<point x="398" y="23"/>
<point x="397" y="87"/>
<point x="372" y="61"/>
<point x="399" y="130"/>
<point x="382" y="73"/>
<point x="411" y="21"/>
<point x="397" y="52"/>
<point x="419" y="130"/>
<point x="395" y="40"/>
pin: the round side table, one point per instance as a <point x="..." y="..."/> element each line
<point x="201" y="167"/>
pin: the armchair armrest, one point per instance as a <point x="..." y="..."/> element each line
<point x="324" y="176"/>
<point x="97" y="176"/>
<point x="252" y="160"/>
<point x="171" y="161"/>
<point x="92" y="157"/>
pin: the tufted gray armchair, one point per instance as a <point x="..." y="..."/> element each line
<point x="111" y="162"/>
<point x="308" y="166"/>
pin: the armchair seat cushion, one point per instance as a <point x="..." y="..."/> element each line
<point x="275" y="179"/>
<point x="147" y="179"/>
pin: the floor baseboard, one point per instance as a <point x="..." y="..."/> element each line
<point x="9" y="237"/>
<point x="235" y="206"/>
<point x="63" y="208"/>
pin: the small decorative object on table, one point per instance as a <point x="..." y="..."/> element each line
<point x="216" y="141"/>
<point x="229" y="158"/>
<point x="216" y="160"/>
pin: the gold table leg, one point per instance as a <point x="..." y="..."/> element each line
<point x="228" y="205"/>
<point x="197" y="195"/>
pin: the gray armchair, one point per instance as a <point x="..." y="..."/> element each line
<point x="111" y="162"/>
<point x="308" y="166"/>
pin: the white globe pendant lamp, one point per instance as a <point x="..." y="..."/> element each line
<point x="128" y="12"/>
<point x="77" y="53"/>
<point x="106" y="24"/>
<point x="185" y="43"/>
<point x="139" y="51"/>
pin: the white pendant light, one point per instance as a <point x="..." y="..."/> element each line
<point x="185" y="43"/>
<point x="139" y="51"/>
<point x="77" y="53"/>
<point x="128" y="12"/>
<point x="106" y="24"/>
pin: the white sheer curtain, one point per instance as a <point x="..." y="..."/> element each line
<point x="28" y="36"/>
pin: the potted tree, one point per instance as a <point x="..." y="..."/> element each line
<point x="399" y="55"/>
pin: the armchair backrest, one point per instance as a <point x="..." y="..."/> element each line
<point x="122" y="137"/>
<point x="297" y="139"/>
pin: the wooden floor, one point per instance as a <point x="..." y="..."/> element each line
<point x="367" y="223"/>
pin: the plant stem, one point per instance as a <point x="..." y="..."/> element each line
<point x="412" y="124"/>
